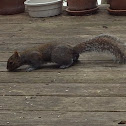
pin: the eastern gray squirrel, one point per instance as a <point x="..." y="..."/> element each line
<point x="65" y="55"/>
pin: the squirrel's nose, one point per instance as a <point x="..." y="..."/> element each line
<point x="8" y="68"/>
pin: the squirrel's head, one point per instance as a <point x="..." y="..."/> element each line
<point x="13" y="62"/>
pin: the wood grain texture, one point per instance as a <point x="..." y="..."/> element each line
<point x="63" y="89"/>
<point x="54" y="118"/>
<point x="64" y="77"/>
<point x="90" y="93"/>
<point x="69" y="104"/>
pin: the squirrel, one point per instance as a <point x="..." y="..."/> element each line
<point x="65" y="55"/>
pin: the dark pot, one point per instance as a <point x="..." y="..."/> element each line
<point x="117" y="4"/>
<point x="108" y="1"/>
<point x="105" y="2"/>
<point x="11" y="6"/>
<point x="77" y="5"/>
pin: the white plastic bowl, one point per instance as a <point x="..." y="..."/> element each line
<point x="43" y="8"/>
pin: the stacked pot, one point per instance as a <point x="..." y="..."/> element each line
<point x="81" y="7"/>
<point x="117" y="7"/>
<point x="75" y="7"/>
<point x="11" y="6"/>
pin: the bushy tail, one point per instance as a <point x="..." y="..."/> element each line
<point x="103" y="43"/>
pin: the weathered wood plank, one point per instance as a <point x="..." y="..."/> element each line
<point x="69" y="104"/>
<point x="51" y="118"/>
<point x="85" y="94"/>
<point x="66" y="90"/>
<point x="7" y="29"/>
<point x="64" y="77"/>
<point x="39" y="33"/>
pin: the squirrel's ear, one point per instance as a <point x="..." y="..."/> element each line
<point x="16" y="54"/>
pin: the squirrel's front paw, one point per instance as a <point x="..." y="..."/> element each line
<point x="30" y="69"/>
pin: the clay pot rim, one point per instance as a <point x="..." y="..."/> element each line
<point x="82" y="12"/>
<point x="116" y="12"/>
<point x="87" y="10"/>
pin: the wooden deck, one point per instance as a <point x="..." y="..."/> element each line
<point x="91" y="93"/>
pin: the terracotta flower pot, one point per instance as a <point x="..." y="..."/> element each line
<point x="117" y="4"/>
<point x="117" y="7"/>
<point x="81" y="7"/>
<point x="108" y="1"/>
<point x="81" y="4"/>
<point x="11" y="6"/>
<point x="105" y="2"/>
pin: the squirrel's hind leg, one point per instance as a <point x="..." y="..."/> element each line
<point x="66" y="66"/>
<point x="63" y="56"/>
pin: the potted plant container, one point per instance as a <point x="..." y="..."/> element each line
<point x="44" y="8"/>
<point x="105" y="1"/>
<point x="11" y="6"/>
<point x="81" y="7"/>
<point x="117" y="7"/>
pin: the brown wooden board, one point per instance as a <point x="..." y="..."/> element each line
<point x="90" y="93"/>
<point x="56" y="118"/>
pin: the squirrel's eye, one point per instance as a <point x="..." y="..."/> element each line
<point x="10" y="63"/>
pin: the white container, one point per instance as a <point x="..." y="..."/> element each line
<point x="43" y="8"/>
